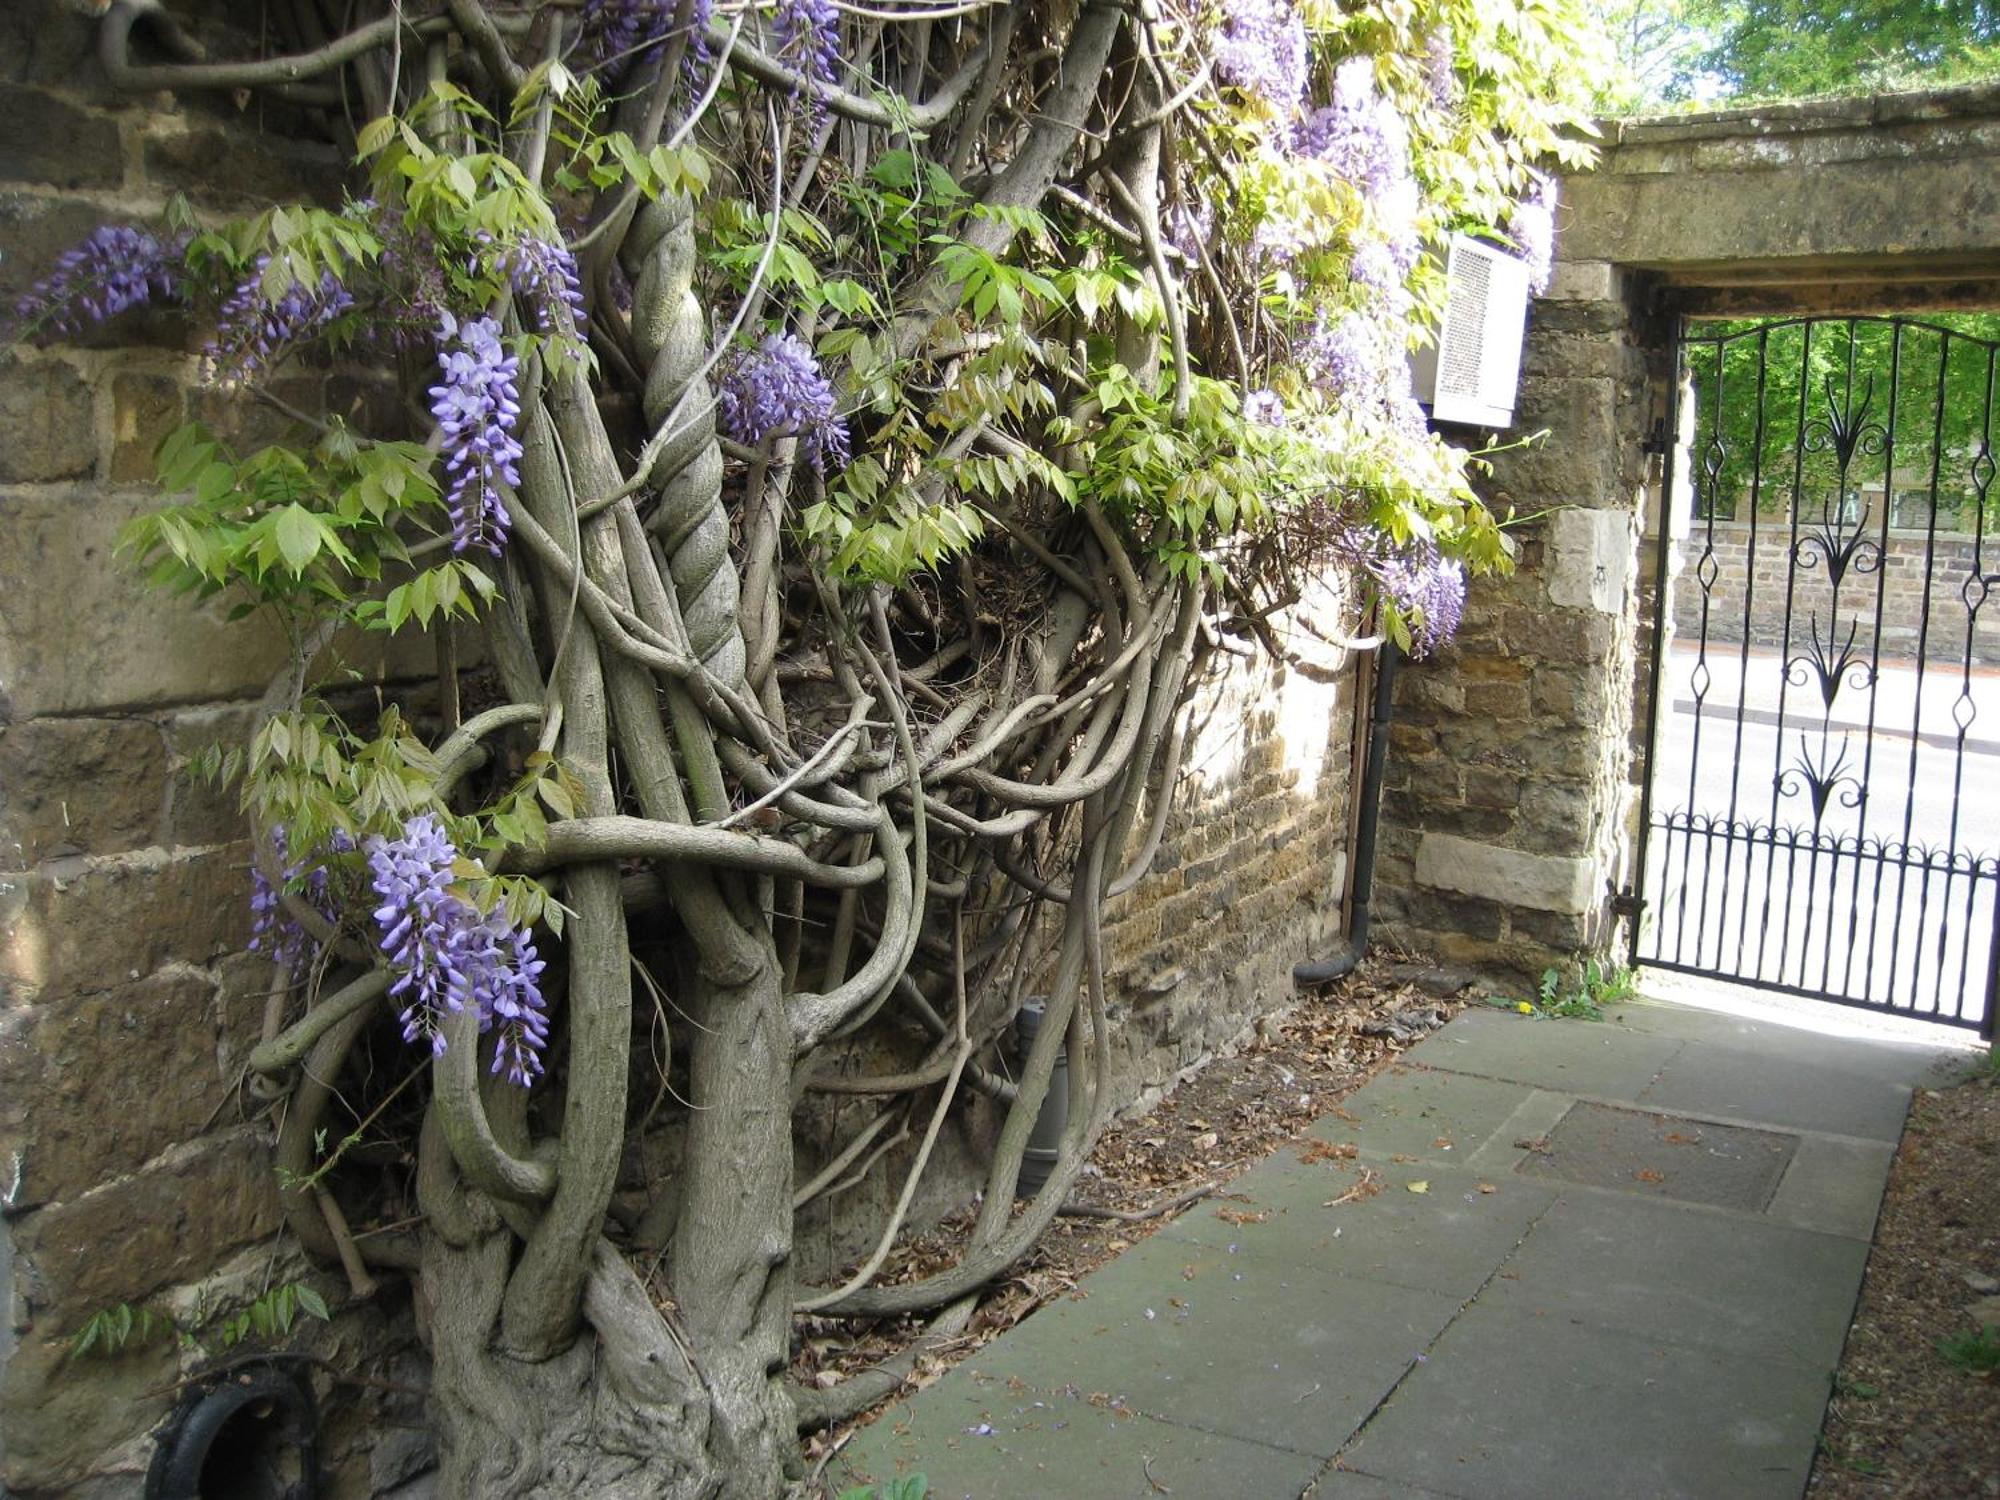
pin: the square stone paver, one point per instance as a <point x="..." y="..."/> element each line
<point x="1663" y="1156"/>
<point x="1446" y="1239"/>
<point x="1351" y="1484"/>
<point x="1571" y="1057"/>
<point x="1898" y="1062"/>
<point x="1766" y="1087"/>
<point x="978" y="1437"/>
<point x="1715" y="1281"/>
<point x="1242" y="1343"/>
<point x="1519" y="1407"/>
<point x="1423" y="1112"/>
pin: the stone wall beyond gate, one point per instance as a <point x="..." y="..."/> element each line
<point x="133" y="1168"/>
<point x="1915" y="602"/>
<point x="1510" y="822"/>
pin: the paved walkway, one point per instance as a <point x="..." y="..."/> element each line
<point x="1606" y="1261"/>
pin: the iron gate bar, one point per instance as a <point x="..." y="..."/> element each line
<point x="1822" y="885"/>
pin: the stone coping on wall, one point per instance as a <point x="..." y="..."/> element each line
<point x="1979" y="100"/>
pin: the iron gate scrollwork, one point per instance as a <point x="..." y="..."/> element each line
<point x="1821" y="811"/>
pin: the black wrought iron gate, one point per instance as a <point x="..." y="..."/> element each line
<point x="1821" y="810"/>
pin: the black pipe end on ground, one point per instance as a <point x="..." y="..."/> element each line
<point x="249" y="1433"/>
<point x="1339" y="964"/>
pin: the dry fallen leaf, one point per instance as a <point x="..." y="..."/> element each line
<point x="1647" y="1174"/>
<point x="1487" y="1187"/>
<point x="1419" y="1186"/>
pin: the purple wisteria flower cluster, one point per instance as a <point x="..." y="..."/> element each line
<point x="1425" y="584"/>
<point x="1532" y="227"/>
<point x="273" y="930"/>
<point x="779" y="390"/>
<point x="478" y="406"/>
<point x="1363" y="141"/>
<point x="808" y="37"/>
<point x="1359" y="134"/>
<point x="253" y="333"/>
<point x="447" y="956"/>
<point x="1264" y="406"/>
<point x="623" y="32"/>
<point x="1347" y="357"/>
<point x="1261" y="48"/>
<point x="1441" y="68"/>
<point x="544" y="276"/>
<point x="113" y="269"/>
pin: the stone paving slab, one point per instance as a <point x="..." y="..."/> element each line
<point x="1235" y="1341"/>
<point x="1463" y="1232"/>
<point x="1571" y="1057"/>
<point x="1738" y="1083"/>
<point x="1513" y="1407"/>
<point x="1351" y="1484"/>
<point x="1731" y="1283"/>
<point x="975" y="1437"/>
<point x="1541" y="1340"/>
<point x="1409" y="1111"/>
<point x="1835" y="1186"/>
<point x="1909" y="1064"/>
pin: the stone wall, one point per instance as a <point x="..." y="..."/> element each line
<point x="1508" y="834"/>
<point x="134" y="1168"/>
<point x="1507" y="790"/>
<point x="1918" y="593"/>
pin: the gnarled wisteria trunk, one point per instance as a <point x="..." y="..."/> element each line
<point x="850" y="430"/>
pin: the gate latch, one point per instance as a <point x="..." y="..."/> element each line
<point x="1627" y="903"/>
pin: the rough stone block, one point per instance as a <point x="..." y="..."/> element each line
<point x="198" y="810"/>
<point x="81" y="927"/>
<point x="64" y="1417"/>
<point x="78" y="786"/>
<point x="1591" y="559"/>
<point x="171" y="1222"/>
<point x="47" y="139"/>
<point x="80" y="631"/>
<point x="144" y="409"/>
<point x="109" y="1082"/>
<point x="1577" y="463"/>
<point x="1545" y="882"/>
<point x="227" y="166"/>
<point x="49" y="420"/>
<point x="1584" y="281"/>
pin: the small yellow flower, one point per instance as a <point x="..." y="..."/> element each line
<point x="1524" y="1007"/>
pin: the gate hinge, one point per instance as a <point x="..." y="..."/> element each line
<point x="1655" y="443"/>
<point x="1627" y="903"/>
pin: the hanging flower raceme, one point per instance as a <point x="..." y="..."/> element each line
<point x="808" y="37"/>
<point x="113" y="269"/>
<point x="1265" y="406"/>
<point x="446" y="955"/>
<point x="1347" y="357"/>
<point x="478" y="407"/>
<point x="544" y="277"/>
<point x="274" y="932"/>
<point x="779" y="390"/>
<point x="1359" y="135"/>
<point x="1532" y="227"/>
<point x="1441" y="68"/>
<point x="1423" y="583"/>
<point x="1261" y="48"/>
<point x="622" y="32"/>
<point x="253" y="333"/>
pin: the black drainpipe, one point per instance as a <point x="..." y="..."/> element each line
<point x="1344" y="958"/>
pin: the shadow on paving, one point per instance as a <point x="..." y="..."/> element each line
<point x="1536" y="1259"/>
